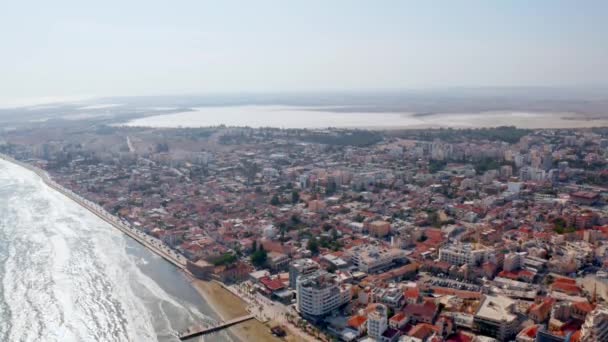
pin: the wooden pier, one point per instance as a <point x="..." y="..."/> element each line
<point x="198" y="331"/>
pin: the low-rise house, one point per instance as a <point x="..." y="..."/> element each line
<point x="424" y="312"/>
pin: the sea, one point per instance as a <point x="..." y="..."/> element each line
<point x="67" y="275"/>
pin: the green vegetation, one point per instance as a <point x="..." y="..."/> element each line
<point x="341" y="138"/>
<point x="162" y="147"/>
<point x="275" y="200"/>
<point x="486" y="164"/>
<point x="259" y="256"/>
<point x="436" y="165"/>
<point x="597" y="178"/>
<point x="224" y="259"/>
<point x="433" y="219"/>
<point x="331" y="188"/>
<point x="313" y="246"/>
<point x="105" y="129"/>
<point x="295" y="197"/>
<point x="508" y="134"/>
<point x="249" y="170"/>
<point x="235" y="138"/>
<point x="330" y="243"/>
<point x="561" y="228"/>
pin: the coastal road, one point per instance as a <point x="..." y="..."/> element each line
<point x="270" y="310"/>
<point x="130" y="145"/>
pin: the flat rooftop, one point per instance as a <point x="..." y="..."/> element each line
<point x="496" y="308"/>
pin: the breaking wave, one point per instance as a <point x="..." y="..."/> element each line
<point x="69" y="276"/>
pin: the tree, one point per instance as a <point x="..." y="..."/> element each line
<point x="359" y="218"/>
<point x="334" y="234"/>
<point x="224" y="259"/>
<point x="162" y="147"/>
<point x="258" y="258"/>
<point x="295" y="220"/>
<point x="275" y="200"/>
<point x="250" y="170"/>
<point x="436" y="165"/>
<point x="313" y="246"/>
<point x="331" y="188"/>
<point x="433" y="218"/>
<point x="295" y="197"/>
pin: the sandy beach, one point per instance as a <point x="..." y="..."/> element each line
<point x="229" y="306"/>
<point x="222" y="301"/>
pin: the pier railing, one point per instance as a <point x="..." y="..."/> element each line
<point x="199" y="331"/>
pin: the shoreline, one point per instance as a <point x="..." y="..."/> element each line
<point x="393" y="120"/>
<point x="140" y="237"/>
<point x="223" y="302"/>
<point x="228" y="306"/>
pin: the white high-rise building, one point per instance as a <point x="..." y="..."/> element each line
<point x="377" y="322"/>
<point x="595" y="327"/>
<point x="319" y="293"/>
<point x="299" y="268"/>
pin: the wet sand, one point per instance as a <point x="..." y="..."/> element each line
<point x="224" y="303"/>
<point x="229" y="306"/>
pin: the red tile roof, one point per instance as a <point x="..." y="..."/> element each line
<point x="426" y="310"/>
<point x="356" y="321"/>
<point x="530" y="331"/>
<point x="411" y="292"/>
<point x="566" y="288"/>
<point x="584" y="306"/>
<point x="398" y="317"/>
<point x="272" y="284"/>
<point x="422" y="330"/>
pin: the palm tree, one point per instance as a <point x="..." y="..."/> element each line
<point x="250" y="170"/>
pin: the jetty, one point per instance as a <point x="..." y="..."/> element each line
<point x="199" y="331"/>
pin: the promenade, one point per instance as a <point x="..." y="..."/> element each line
<point x="153" y="244"/>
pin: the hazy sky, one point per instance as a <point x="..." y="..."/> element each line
<point x="128" y="47"/>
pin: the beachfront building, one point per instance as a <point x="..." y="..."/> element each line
<point x="595" y="327"/>
<point x="301" y="267"/>
<point x="319" y="293"/>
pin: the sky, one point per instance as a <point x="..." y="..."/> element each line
<point x="70" y="49"/>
